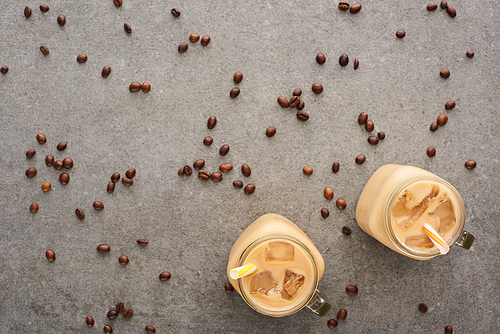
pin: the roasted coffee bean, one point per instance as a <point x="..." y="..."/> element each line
<point x="224" y="149"/>
<point x="30" y="153"/>
<point x="335" y="167"/>
<point x="249" y="188"/>
<point x="238" y="184"/>
<point x="58" y="164"/>
<point x="150" y="329"/>
<point x="175" y="12"/>
<point x="225" y="167"/>
<point x="444" y="4"/>
<point x="127" y="28"/>
<point x="369" y="126"/>
<point x="451" y="11"/>
<point x="449" y="105"/>
<point x="297" y="92"/>
<point x="228" y="287"/>
<point x="135" y="86"/>
<point x="103" y="248"/>
<point x="341" y="204"/>
<point x="193" y="38"/>
<point x="216" y="177"/>
<point x="343" y="59"/>
<point x="123" y="260"/>
<point x="344" y="5"/>
<point x="448" y="329"/>
<point x="320" y="58"/>
<point x="470" y="164"/>
<point x="362" y="118"/>
<point x="127" y="313"/>
<point x="106" y="71"/>
<point x="301" y="105"/>
<point x="355" y="8"/>
<point x="112" y="314"/>
<point x="49" y="160"/>
<point x="130" y="173"/>
<point x="444" y="73"/>
<point x="432" y="6"/>
<point x="373" y="140"/>
<point x="61" y="146"/>
<point x="64" y="178"/>
<point x="61" y="20"/>
<point x="89" y="321"/>
<point x="356" y="63"/>
<point x="442" y="119"/>
<point x="41" y="138"/>
<point x="381" y="135"/>
<point x="270" y="131"/>
<point x="212" y="121"/>
<point x="234" y="92"/>
<point x="317" y="88"/>
<point x="302" y="116"/>
<point x="205" y="40"/>
<point x="107" y="329"/>
<point x="115" y="177"/>
<point x="208" y="141"/>
<point x="187" y="170"/>
<point x="400" y="33"/>
<point x="328" y="192"/>
<point x="27" y="11"/>
<point x="325" y="213"/>
<point x="127" y="181"/>
<point x="351" y="290"/>
<point x="294" y="101"/>
<point x="470" y="54"/>
<point x="79" y="213"/>
<point x="332" y="323"/>
<point x="67" y="163"/>
<point x="342" y="315"/>
<point x="431" y="151"/>
<point x="46" y="186"/>
<point x="45" y="50"/>
<point x="146" y="87"/>
<point x="4" y="69"/>
<point x="360" y="159"/>
<point x="283" y="102"/>
<point x="180" y="172"/>
<point x="238" y="76"/>
<point x="44" y="8"/>
<point x="51" y="256"/>
<point x="434" y="126"/>
<point x="142" y="242"/>
<point x="245" y="169"/>
<point x="117" y="3"/>
<point x="204" y="175"/>
<point x="165" y="276"/>
<point x="422" y="308"/>
<point x="34" y="207"/>
<point x="119" y="307"/>
<point x="198" y="164"/>
<point x="307" y="170"/>
<point x="81" y="58"/>
<point x="182" y="47"/>
<point x="30" y="172"/>
<point x="98" y="205"/>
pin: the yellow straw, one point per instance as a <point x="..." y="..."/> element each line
<point x="242" y="271"/>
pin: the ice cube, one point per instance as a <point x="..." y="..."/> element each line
<point x="292" y="284"/>
<point x="446" y="216"/>
<point x="280" y="251"/>
<point x="409" y="207"/>
<point x="419" y="241"/>
<point x="263" y="282"/>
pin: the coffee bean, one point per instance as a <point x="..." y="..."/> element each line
<point x="328" y="192"/>
<point x="449" y="105"/>
<point x="270" y="131"/>
<point x="61" y="146"/>
<point x="117" y="3"/>
<point x="283" y="102"/>
<point x="238" y="76"/>
<point x="342" y="315"/>
<point x="373" y="140"/>
<point x="320" y="58"/>
<point x="58" y="164"/>
<point x="30" y="153"/>
<point x="107" y="329"/>
<point x="343" y="59"/>
<point x="224" y="149"/>
<point x="51" y="256"/>
<point x="307" y="170"/>
<point x="432" y="6"/>
<point x="112" y="314"/>
<point x="67" y="163"/>
<point x="89" y="321"/>
<point x="442" y="119"/>
<point x="135" y="86"/>
<point x="228" y="287"/>
<point x="355" y="8"/>
<point x="198" y="164"/>
<point x="451" y="11"/>
<point x="204" y="175"/>
<point x="422" y="308"/>
<point x="123" y="260"/>
<point x="127" y="313"/>
<point x="317" y="88"/>
<point x="64" y="178"/>
<point x="369" y="126"/>
<point x="44" y="8"/>
<point x="325" y="213"/>
<point x="431" y="151"/>
<point x="45" y="50"/>
<point x="175" y="12"/>
<point x="205" y="40"/>
<point x="182" y="47"/>
<point x="142" y="242"/>
<point x="335" y="167"/>
<point x="216" y="177"/>
<point x="434" y="126"/>
<point x="150" y="329"/>
<point x="98" y="205"/>
<point x="302" y="116"/>
<point x="351" y="290"/>
<point x="46" y="186"/>
<point x="180" y="172"/>
<point x="30" y="172"/>
<point x="119" y="307"/>
<point x="294" y="101"/>
<point x="362" y="118"/>
<point x="356" y="63"/>
<point x="470" y="54"/>
<point x="103" y="248"/>
<point x="444" y="73"/>
<point x="115" y="177"/>
<point x="297" y="92"/>
<point x="165" y="276"/>
<point x="212" y="121"/>
<point x="341" y="204"/>
<point x="49" y="160"/>
<point x="332" y="323"/>
<point x="79" y="213"/>
<point x="238" y="184"/>
<point x="61" y="20"/>
<point x="27" y="11"/>
<point x="4" y="69"/>
<point x="187" y="170"/>
<point x="225" y="167"/>
<point x="245" y="169"/>
<point x="249" y="188"/>
<point x="448" y="329"/>
<point x="81" y="58"/>
<point x="130" y="173"/>
<point x="444" y="4"/>
<point x="470" y="164"/>
<point x="34" y="207"/>
<point x="381" y="135"/>
<point x="41" y="138"/>
<point x="234" y="92"/>
<point x="127" y="28"/>
<point x="360" y="159"/>
<point x="194" y="38"/>
<point x="344" y="5"/>
<point x="106" y="71"/>
<point x="301" y="105"/>
<point x="208" y="141"/>
<point x="127" y="181"/>
<point x="146" y="87"/>
<point x="400" y="33"/>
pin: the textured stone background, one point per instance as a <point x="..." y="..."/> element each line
<point x="192" y="225"/>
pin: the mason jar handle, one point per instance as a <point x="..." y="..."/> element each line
<point x="320" y="305"/>
<point x="465" y="240"/>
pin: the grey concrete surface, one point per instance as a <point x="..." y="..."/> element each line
<point x="191" y="225"/>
